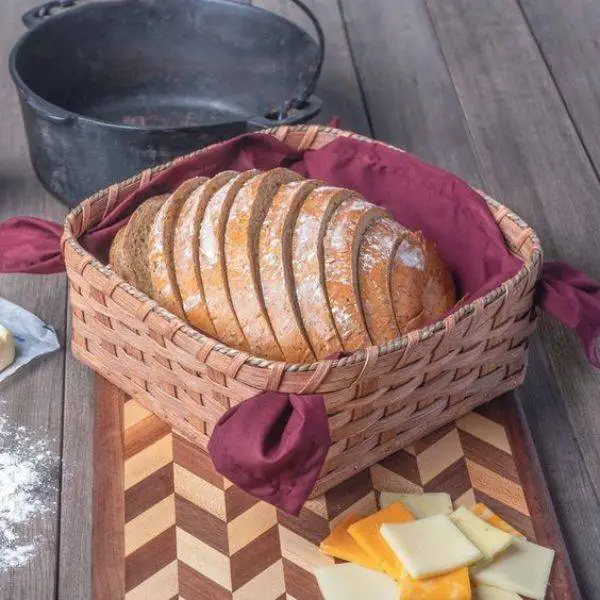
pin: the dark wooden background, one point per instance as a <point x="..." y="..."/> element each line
<point x="505" y="93"/>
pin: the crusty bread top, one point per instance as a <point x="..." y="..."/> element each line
<point x="186" y="248"/>
<point x="341" y="245"/>
<point x="213" y="267"/>
<point x="407" y="282"/>
<point x="375" y="261"/>
<point x="246" y="217"/>
<point x="130" y="247"/>
<point x="308" y="269"/>
<point x="162" y="269"/>
<point x="439" y="292"/>
<point x="276" y="274"/>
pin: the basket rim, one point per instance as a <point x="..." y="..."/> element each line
<point x="358" y="356"/>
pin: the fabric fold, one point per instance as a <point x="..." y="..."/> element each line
<point x="273" y="446"/>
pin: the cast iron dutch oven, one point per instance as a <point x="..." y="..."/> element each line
<point x="110" y="88"/>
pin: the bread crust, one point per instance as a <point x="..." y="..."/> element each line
<point x="276" y="273"/>
<point x="341" y="246"/>
<point x="242" y="235"/>
<point x="162" y="268"/>
<point x="186" y="249"/>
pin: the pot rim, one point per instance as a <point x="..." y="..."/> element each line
<point x="41" y="105"/>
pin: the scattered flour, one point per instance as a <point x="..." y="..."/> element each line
<point x="28" y="474"/>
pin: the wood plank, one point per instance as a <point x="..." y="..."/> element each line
<point x="108" y="539"/>
<point x="568" y="34"/>
<point x="409" y="94"/>
<point x="33" y="397"/>
<point x="338" y="87"/>
<point x="75" y="550"/>
<point x="532" y="159"/>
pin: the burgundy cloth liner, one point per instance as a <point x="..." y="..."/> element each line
<point x="291" y="439"/>
<point x="419" y="195"/>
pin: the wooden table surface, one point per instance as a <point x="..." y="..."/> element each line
<point x="505" y="93"/>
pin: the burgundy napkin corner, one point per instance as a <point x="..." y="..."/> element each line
<point x="273" y="446"/>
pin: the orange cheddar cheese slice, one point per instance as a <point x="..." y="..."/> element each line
<point x="366" y="534"/>
<point x="451" y="586"/>
<point x="341" y="544"/>
<point x="483" y="512"/>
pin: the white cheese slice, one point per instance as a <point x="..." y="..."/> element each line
<point x="488" y="539"/>
<point x="7" y="348"/>
<point x="430" y="546"/>
<point x="420" y="505"/>
<point x="487" y="592"/>
<point x="524" y="568"/>
<point x="348" y="581"/>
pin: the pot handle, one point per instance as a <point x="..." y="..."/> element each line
<point x="40" y="13"/>
<point x="300" y="114"/>
<point x="301" y="101"/>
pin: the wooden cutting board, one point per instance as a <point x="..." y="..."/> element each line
<point x="167" y="526"/>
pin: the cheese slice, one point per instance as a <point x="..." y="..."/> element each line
<point x="367" y="536"/>
<point x="353" y="582"/>
<point x="487" y="592"/>
<point x="431" y="546"/>
<point x="7" y="348"/>
<point x="483" y="512"/>
<point x="488" y="539"/>
<point x="524" y="568"/>
<point x="451" y="586"/>
<point x="420" y="505"/>
<point x="341" y="544"/>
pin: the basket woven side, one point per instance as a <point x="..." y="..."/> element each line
<point x="378" y="400"/>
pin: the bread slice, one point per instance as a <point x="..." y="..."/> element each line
<point x="186" y="248"/>
<point x="162" y="269"/>
<point x="213" y="268"/>
<point x="341" y="246"/>
<point x="130" y="247"/>
<point x="407" y="281"/>
<point x="242" y="235"/>
<point x="439" y="292"/>
<point x="276" y="274"/>
<point x="308" y="270"/>
<point x="375" y="263"/>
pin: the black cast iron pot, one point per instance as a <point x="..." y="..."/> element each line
<point x="108" y="89"/>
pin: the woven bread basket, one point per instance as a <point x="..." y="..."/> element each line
<point x="378" y="400"/>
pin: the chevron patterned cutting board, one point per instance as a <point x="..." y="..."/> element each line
<point x="167" y="526"/>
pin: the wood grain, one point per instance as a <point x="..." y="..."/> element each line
<point x="533" y="161"/>
<point x="75" y="548"/>
<point x="568" y="34"/>
<point x="108" y="551"/>
<point x="33" y="397"/>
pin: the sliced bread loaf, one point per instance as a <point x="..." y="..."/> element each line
<point x="341" y="246"/>
<point x="308" y="269"/>
<point x="130" y="247"/>
<point x="276" y="274"/>
<point x="162" y="234"/>
<point x="186" y="249"/>
<point x="375" y="263"/>
<point x="213" y="268"/>
<point x="242" y="235"/>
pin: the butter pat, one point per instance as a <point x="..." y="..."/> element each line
<point x="367" y="536"/>
<point x="488" y="539"/>
<point x="353" y="582"/>
<point x="7" y="348"/>
<point x="420" y="505"/>
<point x="483" y="512"/>
<point x="487" y="592"/>
<point x="524" y="568"/>
<point x="341" y="544"/>
<point x="431" y="546"/>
